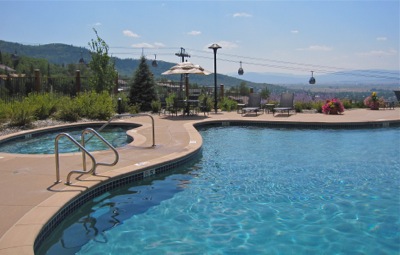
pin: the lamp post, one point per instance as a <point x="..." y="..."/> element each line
<point x="215" y="47"/>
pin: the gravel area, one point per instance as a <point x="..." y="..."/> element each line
<point x="6" y="129"/>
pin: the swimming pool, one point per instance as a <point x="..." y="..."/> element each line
<point x="43" y="142"/>
<point x="254" y="191"/>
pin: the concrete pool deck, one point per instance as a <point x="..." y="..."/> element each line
<point x="29" y="197"/>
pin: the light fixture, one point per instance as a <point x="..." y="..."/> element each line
<point x="215" y="47"/>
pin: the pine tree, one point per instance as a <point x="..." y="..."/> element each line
<point x="142" y="86"/>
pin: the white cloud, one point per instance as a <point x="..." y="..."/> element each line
<point x="143" y="45"/>
<point x="194" y="33"/>
<point x="129" y="33"/>
<point x="97" y="24"/>
<point x="381" y="38"/>
<point x="378" y="53"/>
<point x="294" y="31"/>
<point x="148" y="45"/>
<point x="316" y="48"/>
<point x="159" y="45"/>
<point x="242" y="15"/>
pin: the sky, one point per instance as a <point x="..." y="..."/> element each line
<point x="294" y="37"/>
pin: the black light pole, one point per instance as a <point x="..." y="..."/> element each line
<point x="215" y="47"/>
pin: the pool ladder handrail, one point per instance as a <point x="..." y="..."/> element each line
<point x="84" y="153"/>
<point x="130" y="115"/>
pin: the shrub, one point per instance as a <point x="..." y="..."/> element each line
<point x="95" y="105"/>
<point x="206" y="103"/>
<point x="300" y="106"/>
<point x="155" y="106"/>
<point x="318" y="106"/>
<point x="347" y="104"/>
<point x="43" y="105"/>
<point x="169" y="100"/>
<point x="227" y="104"/>
<point x="133" y="109"/>
<point x="21" y="114"/>
<point x="4" y="111"/>
<point x="68" y="110"/>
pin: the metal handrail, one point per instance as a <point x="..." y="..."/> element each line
<point x="84" y="151"/>
<point x="91" y="130"/>
<point x="128" y="115"/>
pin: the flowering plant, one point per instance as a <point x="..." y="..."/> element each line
<point x="373" y="99"/>
<point x="332" y="105"/>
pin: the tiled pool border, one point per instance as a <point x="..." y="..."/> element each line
<point x="35" y="133"/>
<point x="103" y="187"/>
<point x="307" y="125"/>
<point x="165" y="167"/>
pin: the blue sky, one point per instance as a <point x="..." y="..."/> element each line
<point x="267" y="36"/>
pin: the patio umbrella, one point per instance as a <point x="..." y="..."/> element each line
<point x="6" y="68"/>
<point x="186" y="68"/>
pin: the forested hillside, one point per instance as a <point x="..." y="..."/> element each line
<point x="64" y="55"/>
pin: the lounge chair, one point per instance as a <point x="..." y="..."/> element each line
<point x="285" y="104"/>
<point x="254" y="104"/>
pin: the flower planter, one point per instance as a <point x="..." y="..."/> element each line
<point x="333" y="106"/>
<point x="374" y="106"/>
<point x="333" y="111"/>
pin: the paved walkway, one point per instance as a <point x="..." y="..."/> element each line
<point x="29" y="197"/>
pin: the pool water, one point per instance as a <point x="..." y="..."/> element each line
<point x="44" y="143"/>
<point x="254" y="191"/>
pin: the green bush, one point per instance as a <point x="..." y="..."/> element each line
<point x="21" y="113"/>
<point x="227" y="104"/>
<point x="347" y="104"/>
<point x="133" y="109"/>
<point x="155" y="106"/>
<point x="318" y="106"/>
<point x="169" y="100"/>
<point x="300" y="106"/>
<point x="43" y="105"/>
<point x="68" y="110"/>
<point x="208" y="103"/>
<point x="4" y="111"/>
<point x="95" y="105"/>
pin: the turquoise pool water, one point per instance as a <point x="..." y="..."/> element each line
<point x="44" y="143"/>
<point x="254" y="191"/>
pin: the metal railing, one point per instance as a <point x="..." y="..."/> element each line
<point x="130" y="115"/>
<point x="84" y="153"/>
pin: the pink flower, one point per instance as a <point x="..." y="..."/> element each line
<point x="333" y="103"/>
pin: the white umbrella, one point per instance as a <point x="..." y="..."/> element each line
<point x="186" y="68"/>
<point x="6" y="68"/>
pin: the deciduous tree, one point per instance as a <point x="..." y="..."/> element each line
<point x="103" y="68"/>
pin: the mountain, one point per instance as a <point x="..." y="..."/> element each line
<point x="63" y="54"/>
<point x="344" y="78"/>
<point x="55" y="53"/>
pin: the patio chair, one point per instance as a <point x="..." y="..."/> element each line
<point x="286" y="104"/>
<point x="254" y="104"/>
